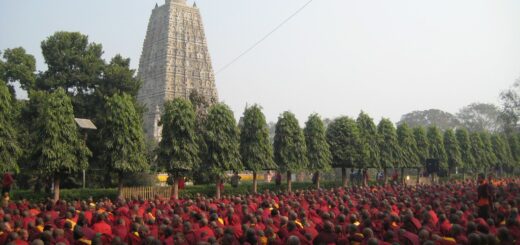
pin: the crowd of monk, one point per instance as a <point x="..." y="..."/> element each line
<point x="450" y="213"/>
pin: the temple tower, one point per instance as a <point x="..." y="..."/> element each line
<point x="174" y="61"/>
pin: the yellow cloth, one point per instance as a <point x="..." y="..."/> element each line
<point x="263" y="240"/>
<point x="85" y="240"/>
<point x="72" y="223"/>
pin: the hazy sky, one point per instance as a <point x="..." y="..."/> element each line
<point x="336" y="57"/>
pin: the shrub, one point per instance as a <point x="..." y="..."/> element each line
<point x="188" y="192"/>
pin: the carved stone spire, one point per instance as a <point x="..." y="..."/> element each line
<point x="174" y="61"/>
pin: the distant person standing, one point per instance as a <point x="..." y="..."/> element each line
<point x="7" y="182"/>
<point x="278" y="179"/>
<point x="235" y="179"/>
<point x="484" y="197"/>
<point x="365" y="177"/>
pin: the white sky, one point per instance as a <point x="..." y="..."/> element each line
<point x="336" y="57"/>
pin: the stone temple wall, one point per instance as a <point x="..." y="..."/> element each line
<point x="174" y="61"/>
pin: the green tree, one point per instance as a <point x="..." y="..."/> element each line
<point x="178" y="150"/>
<point x="514" y="144"/>
<point x="255" y="148"/>
<point x="75" y="65"/>
<point x="468" y="162"/>
<point x="452" y="149"/>
<point x="201" y="105"/>
<point x="222" y="141"/>
<point x="368" y="134"/>
<point x="118" y="78"/>
<point x="123" y="138"/>
<point x="408" y="146"/>
<point x="9" y="146"/>
<point x="490" y="159"/>
<point x="511" y="107"/>
<point x="345" y="145"/>
<point x="389" y="148"/>
<point x="480" y="117"/>
<point x="290" y="150"/>
<point x="58" y="148"/>
<point x="318" y="150"/>
<point x="421" y="140"/>
<point x="18" y="67"/>
<point x="477" y="151"/>
<point x="502" y="152"/>
<point x="431" y="117"/>
<point x="436" y="147"/>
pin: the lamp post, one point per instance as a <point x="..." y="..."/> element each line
<point x="86" y="125"/>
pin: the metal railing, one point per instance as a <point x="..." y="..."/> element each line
<point x="147" y="192"/>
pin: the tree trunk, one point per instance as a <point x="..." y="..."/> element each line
<point x="317" y="179"/>
<point x="255" y="182"/>
<point x="463" y="174"/>
<point x="217" y="193"/>
<point x="107" y="179"/>
<point x="56" y="188"/>
<point x="403" y="181"/>
<point x="344" y="176"/>
<point x="120" y="186"/>
<point x="289" y="181"/>
<point x="175" y="188"/>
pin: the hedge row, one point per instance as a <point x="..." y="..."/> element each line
<point x="65" y="194"/>
<point x="188" y="192"/>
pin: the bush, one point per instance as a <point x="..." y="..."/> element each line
<point x="65" y="194"/>
<point x="246" y="187"/>
<point x="188" y="192"/>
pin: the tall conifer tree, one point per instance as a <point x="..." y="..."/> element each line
<point x="178" y="150"/>
<point x="123" y="138"/>
<point x="222" y="141"/>
<point x="290" y="150"/>
<point x="255" y="149"/>
<point x="318" y="150"/>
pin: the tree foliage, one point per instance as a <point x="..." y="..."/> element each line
<point x="408" y="146"/>
<point x="18" y="67"/>
<point x="73" y="63"/>
<point x="58" y="147"/>
<point x="345" y="144"/>
<point x="290" y="150"/>
<point x="222" y="140"/>
<point x="9" y="146"/>
<point x="462" y="135"/>
<point x="514" y="145"/>
<point x="489" y="160"/>
<point x="501" y="150"/>
<point x="511" y="107"/>
<point x="255" y="148"/>
<point x="436" y="146"/>
<point x="421" y="140"/>
<point x="118" y="78"/>
<point x="318" y="150"/>
<point x="477" y="150"/>
<point x="388" y="144"/>
<point x="178" y="150"/>
<point x="124" y="145"/>
<point x="480" y="117"/>
<point x="368" y="135"/>
<point x="452" y="149"/>
<point x="431" y="117"/>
